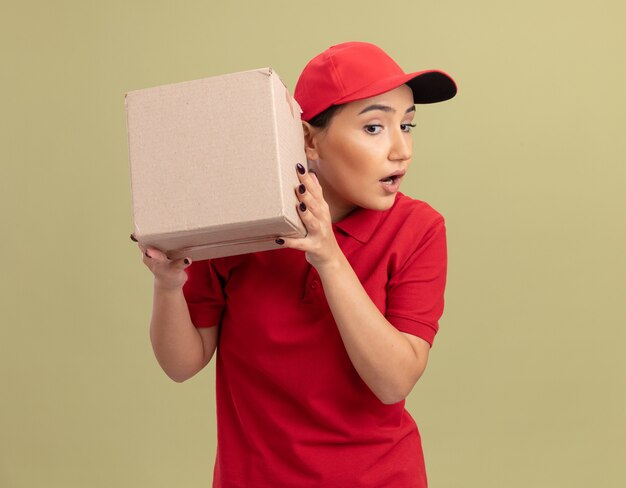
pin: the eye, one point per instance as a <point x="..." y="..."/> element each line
<point x="407" y="127"/>
<point x="373" y="128"/>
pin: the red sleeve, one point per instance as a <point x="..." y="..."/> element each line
<point x="415" y="291"/>
<point x="204" y="294"/>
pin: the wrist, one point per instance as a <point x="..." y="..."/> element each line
<point x="167" y="288"/>
<point x="333" y="265"/>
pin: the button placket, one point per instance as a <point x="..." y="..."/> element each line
<point x="312" y="286"/>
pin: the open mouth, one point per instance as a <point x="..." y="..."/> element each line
<point x="390" y="180"/>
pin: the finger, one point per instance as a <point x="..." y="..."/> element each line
<point x="317" y="186"/>
<point x="317" y="182"/>
<point x="307" y="204"/>
<point x="300" y="190"/>
<point x="303" y="194"/>
<point x="300" y="244"/>
<point x="315" y="204"/>
<point x="157" y="256"/>
<point x="145" y="256"/>
<point x="309" y="180"/>
<point x="308" y="187"/>
<point x="181" y="263"/>
<point x="309" y="219"/>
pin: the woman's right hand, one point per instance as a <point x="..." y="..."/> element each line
<point x="168" y="274"/>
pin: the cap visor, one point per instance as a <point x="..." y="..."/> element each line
<point x="429" y="86"/>
<point x="432" y="86"/>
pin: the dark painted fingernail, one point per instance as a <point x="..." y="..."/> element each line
<point x="302" y="207"/>
<point x="148" y="255"/>
<point x="186" y="261"/>
<point x="132" y="238"/>
<point x="300" y="168"/>
<point x="280" y="241"/>
<point x="302" y="189"/>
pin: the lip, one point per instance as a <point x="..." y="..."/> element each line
<point x="395" y="185"/>
<point x="400" y="173"/>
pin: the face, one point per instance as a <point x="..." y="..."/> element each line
<point x="361" y="156"/>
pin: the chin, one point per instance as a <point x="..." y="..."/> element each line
<point x="380" y="203"/>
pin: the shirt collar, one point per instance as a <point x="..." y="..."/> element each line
<point x="362" y="222"/>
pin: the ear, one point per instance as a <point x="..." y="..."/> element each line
<point x="310" y="141"/>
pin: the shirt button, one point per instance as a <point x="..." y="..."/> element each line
<point x="314" y="284"/>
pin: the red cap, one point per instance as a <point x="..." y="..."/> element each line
<point x="356" y="70"/>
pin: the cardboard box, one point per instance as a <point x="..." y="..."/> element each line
<point x="213" y="164"/>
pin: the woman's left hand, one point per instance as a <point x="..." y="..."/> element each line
<point x="320" y="246"/>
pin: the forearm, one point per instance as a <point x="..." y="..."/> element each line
<point x="380" y="353"/>
<point x="389" y="361"/>
<point x="176" y="342"/>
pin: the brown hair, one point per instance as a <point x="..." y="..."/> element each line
<point x="322" y="119"/>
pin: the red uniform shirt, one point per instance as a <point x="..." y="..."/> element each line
<point x="291" y="409"/>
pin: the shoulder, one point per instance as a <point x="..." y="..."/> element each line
<point x="418" y="234"/>
<point x="413" y="215"/>
<point x="414" y="228"/>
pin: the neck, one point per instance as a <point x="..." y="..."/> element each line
<point x="339" y="209"/>
<point x="339" y="215"/>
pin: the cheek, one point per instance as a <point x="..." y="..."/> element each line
<point x="352" y="159"/>
<point x="351" y="153"/>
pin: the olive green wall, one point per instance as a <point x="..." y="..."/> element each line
<point x="525" y="386"/>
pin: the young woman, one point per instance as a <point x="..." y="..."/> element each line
<point x="319" y="343"/>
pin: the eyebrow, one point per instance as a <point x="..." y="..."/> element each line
<point x="384" y="108"/>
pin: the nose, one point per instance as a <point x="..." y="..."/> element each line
<point x="401" y="147"/>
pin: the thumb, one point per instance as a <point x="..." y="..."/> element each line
<point x="182" y="263"/>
